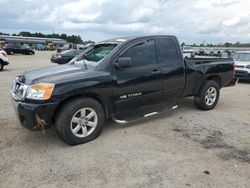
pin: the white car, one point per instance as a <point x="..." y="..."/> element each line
<point x="3" y="59"/>
<point x="188" y="52"/>
<point x="242" y="62"/>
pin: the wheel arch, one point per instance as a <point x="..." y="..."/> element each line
<point x="215" y="78"/>
<point x="94" y="96"/>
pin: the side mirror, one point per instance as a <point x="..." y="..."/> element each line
<point x="123" y="62"/>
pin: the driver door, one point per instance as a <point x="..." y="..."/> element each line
<point x="140" y="84"/>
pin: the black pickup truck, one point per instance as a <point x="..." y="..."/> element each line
<point x="124" y="79"/>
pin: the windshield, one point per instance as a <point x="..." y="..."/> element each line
<point x="99" y="51"/>
<point x="95" y="53"/>
<point x="241" y="57"/>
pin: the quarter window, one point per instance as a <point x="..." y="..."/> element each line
<point x="169" y="52"/>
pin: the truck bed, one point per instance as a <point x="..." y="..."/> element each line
<point x="207" y="60"/>
<point x="199" y="69"/>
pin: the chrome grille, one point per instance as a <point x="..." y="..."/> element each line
<point x="18" y="90"/>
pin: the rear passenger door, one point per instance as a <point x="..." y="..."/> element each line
<point x="172" y="67"/>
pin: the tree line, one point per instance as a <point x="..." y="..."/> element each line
<point x="69" y="38"/>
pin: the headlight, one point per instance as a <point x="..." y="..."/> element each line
<point x="41" y="91"/>
<point x="248" y="66"/>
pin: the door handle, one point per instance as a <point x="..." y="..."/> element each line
<point x="155" y="71"/>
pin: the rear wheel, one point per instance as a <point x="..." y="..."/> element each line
<point x="208" y="95"/>
<point x="80" y="121"/>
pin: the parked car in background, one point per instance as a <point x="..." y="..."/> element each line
<point x="242" y="62"/>
<point x="50" y="47"/>
<point x="200" y="52"/>
<point x="3" y="59"/>
<point x="224" y="55"/>
<point x="64" y="56"/>
<point x="188" y="51"/>
<point x="40" y="47"/>
<point x="12" y="49"/>
<point x="64" y="48"/>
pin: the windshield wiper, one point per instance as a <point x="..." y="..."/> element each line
<point x="85" y="64"/>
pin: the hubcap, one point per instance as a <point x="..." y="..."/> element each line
<point x="210" y="96"/>
<point x="84" y="122"/>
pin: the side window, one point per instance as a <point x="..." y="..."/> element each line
<point x="141" y="54"/>
<point x="169" y="52"/>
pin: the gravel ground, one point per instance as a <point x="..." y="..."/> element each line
<point x="184" y="148"/>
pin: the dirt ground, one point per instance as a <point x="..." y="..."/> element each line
<point x="184" y="148"/>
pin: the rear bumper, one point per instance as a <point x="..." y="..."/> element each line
<point x="4" y="59"/>
<point x="34" y="116"/>
<point x="233" y="82"/>
<point x="5" y="63"/>
<point x="52" y="60"/>
<point x="242" y="74"/>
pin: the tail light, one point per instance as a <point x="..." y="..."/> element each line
<point x="233" y="67"/>
<point x="58" y="55"/>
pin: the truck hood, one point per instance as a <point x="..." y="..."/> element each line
<point x="56" y="74"/>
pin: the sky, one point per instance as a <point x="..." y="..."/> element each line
<point x="192" y="21"/>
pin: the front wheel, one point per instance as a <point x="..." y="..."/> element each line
<point x="208" y="95"/>
<point x="80" y="121"/>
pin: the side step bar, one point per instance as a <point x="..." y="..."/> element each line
<point x="143" y="117"/>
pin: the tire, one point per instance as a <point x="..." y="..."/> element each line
<point x="1" y="66"/>
<point x="208" y="96"/>
<point x="73" y="127"/>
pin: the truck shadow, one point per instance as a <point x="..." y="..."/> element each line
<point x="49" y="139"/>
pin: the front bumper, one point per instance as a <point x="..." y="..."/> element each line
<point x="34" y="116"/>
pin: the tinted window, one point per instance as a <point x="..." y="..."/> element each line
<point x="169" y="52"/>
<point x="25" y="47"/>
<point x="142" y="53"/>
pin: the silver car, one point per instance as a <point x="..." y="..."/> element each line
<point x="242" y="62"/>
